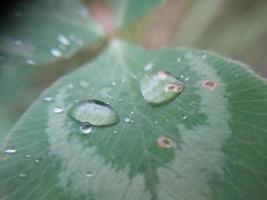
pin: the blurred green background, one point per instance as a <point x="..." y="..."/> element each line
<point x="234" y="28"/>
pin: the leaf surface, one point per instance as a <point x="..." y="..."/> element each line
<point x="207" y="143"/>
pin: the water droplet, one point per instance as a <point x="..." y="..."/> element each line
<point x="37" y="161"/>
<point x="187" y="78"/>
<point x="184" y="117"/>
<point x="127" y="120"/>
<point x="132" y="112"/>
<point x="10" y="151"/>
<point x="63" y="39"/>
<point x="178" y="59"/>
<point x="84" y="84"/>
<point x="28" y="156"/>
<point x="22" y="175"/>
<point x="95" y="112"/>
<point x="18" y="42"/>
<point x="182" y="76"/>
<point x="70" y="86"/>
<point x="156" y="122"/>
<point x="115" y="132"/>
<point x="89" y="174"/>
<point x="48" y="99"/>
<point x="56" y="52"/>
<point x="148" y="67"/>
<point x="86" y="128"/>
<point x="30" y="62"/>
<point x="204" y="56"/>
<point x="113" y="83"/>
<point x="160" y="87"/>
<point x="57" y="109"/>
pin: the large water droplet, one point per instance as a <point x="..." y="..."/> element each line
<point x="94" y="112"/>
<point x="86" y="128"/>
<point x="160" y="87"/>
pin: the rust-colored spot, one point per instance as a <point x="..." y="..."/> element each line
<point x="172" y="87"/>
<point x="211" y="85"/>
<point x="162" y="74"/>
<point x="164" y="142"/>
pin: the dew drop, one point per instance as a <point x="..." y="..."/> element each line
<point x="22" y="175"/>
<point x="48" y="99"/>
<point x="86" y="128"/>
<point x="204" y="56"/>
<point x="70" y="86"/>
<point x="187" y="78"/>
<point x="89" y="174"/>
<point x="10" y="151"/>
<point x="30" y="62"/>
<point x="57" y="109"/>
<point x="184" y="117"/>
<point x="63" y="39"/>
<point x="56" y="52"/>
<point x="37" y="161"/>
<point x="148" y="67"/>
<point x="95" y="112"/>
<point x="28" y="156"/>
<point x="113" y="83"/>
<point x="160" y="87"/>
<point x="127" y="120"/>
<point x="84" y="84"/>
<point x="115" y="132"/>
<point x="178" y="60"/>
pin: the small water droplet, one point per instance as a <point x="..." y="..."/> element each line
<point x="148" y="67"/>
<point x="63" y="39"/>
<point x="134" y="76"/>
<point x="18" y="42"/>
<point x="181" y="76"/>
<point x="86" y="128"/>
<point x="56" y="52"/>
<point x="204" y="56"/>
<point x="22" y="175"/>
<point x="48" y="99"/>
<point x="187" y="78"/>
<point x="156" y="122"/>
<point x="89" y="174"/>
<point x="132" y="112"/>
<point x="28" y="156"/>
<point x="115" y="132"/>
<point x="70" y="86"/>
<point x="30" y="62"/>
<point x="127" y="120"/>
<point x="10" y="151"/>
<point x="178" y="59"/>
<point x="95" y="112"/>
<point x="57" y="109"/>
<point x="84" y="84"/>
<point x="37" y="161"/>
<point x="160" y="87"/>
<point x="113" y="83"/>
<point x="184" y="117"/>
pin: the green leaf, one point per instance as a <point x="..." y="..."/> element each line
<point x="39" y="31"/>
<point x="207" y="143"/>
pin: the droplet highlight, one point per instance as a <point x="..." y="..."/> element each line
<point x="95" y="112"/>
<point x="57" y="110"/>
<point x="160" y="87"/>
<point x="86" y="128"/>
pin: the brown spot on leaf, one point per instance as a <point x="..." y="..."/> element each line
<point x="164" y="142"/>
<point x="173" y="87"/>
<point x="210" y="85"/>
